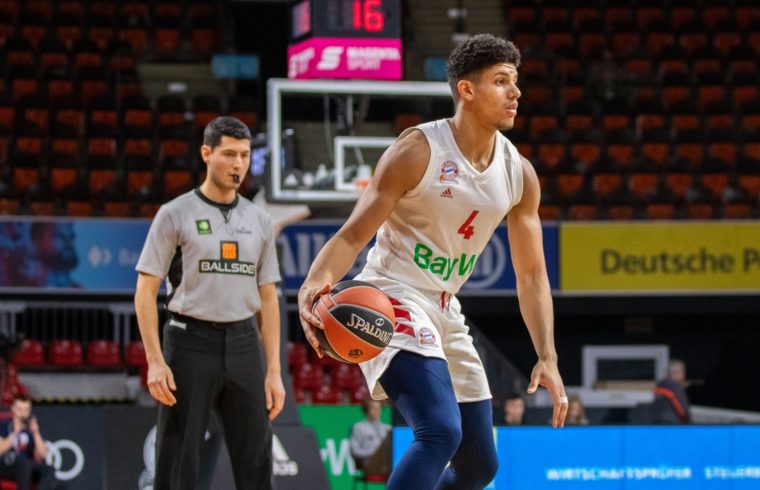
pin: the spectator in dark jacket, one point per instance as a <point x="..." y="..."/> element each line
<point x="671" y="403"/>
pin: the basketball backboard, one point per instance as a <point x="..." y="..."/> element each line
<point x="326" y="136"/>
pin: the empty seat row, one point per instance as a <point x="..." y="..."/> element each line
<point x="65" y="353"/>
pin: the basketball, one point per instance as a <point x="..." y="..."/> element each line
<point x="358" y="321"/>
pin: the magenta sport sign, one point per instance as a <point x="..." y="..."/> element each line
<point x="345" y="58"/>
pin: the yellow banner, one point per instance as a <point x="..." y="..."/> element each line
<point x="663" y="257"/>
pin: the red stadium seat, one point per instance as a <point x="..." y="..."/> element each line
<point x="549" y="212"/>
<point x="659" y="153"/>
<point x="556" y="41"/>
<point x="116" y="209"/>
<point x="621" y="212"/>
<point x="679" y="183"/>
<point x="298" y="355"/>
<point x="148" y="209"/>
<point x="550" y="155"/>
<point x="659" y="211"/>
<point x="71" y="118"/>
<point x="30" y="353"/>
<point x="9" y="206"/>
<point x="679" y="16"/>
<point x="359" y="394"/>
<point x="176" y="182"/>
<point x="347" y="377"/>
<point x="136" y="37"/>
<point x="309" y="377"/>
<point x="724" y="42"/>
<point x="167" y="42"/>
<point x="583" y="212"/>
<point x="737" y="210"/>
<point x="134" y="354"/>
<point x="103" y="353"/>
<point x="643" y="185"/>
<point x="300" y="395"/>
<point x="65" y="353"/>
<point x="327" y="395"/>
<point x="24" y="178"/>
<point x="715" y="183"/>
<point x="700" y="210"/>
<point x="586" y="154"/>
<point x="569" y="184"/>
<point x="138" y="181"/>
<point x="751" y="184"/>
<point x="101" y="179"/>
<point x="203" y="42"/>
<point x="605" y="185"/>
<point x="78" y="208"/>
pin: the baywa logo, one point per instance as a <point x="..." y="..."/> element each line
<point x="443" y="266"/>
<point x="203" y="226"/>
<point x="229" y="263"/>
<point x="283" y="465"/>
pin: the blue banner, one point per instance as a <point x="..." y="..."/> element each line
<point x="493" y="272"/>
<point x="90" y="255"/>
<point x="99" y="255"/>
<point x="621" y="458"/>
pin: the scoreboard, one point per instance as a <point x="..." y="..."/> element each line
<point x="346" y="39"/>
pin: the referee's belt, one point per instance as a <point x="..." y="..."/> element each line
<point x="205" y="323"/>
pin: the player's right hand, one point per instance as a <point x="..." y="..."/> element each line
<point x="161" y="382"/>
<point x="307" y="298"/>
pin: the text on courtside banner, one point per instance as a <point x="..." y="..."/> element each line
<point x="662" y="257"/>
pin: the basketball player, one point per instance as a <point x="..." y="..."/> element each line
<point x="437" y="195"/>
<point x="217" y="250"/>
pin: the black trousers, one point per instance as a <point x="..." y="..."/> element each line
<point x="216" y="367"/>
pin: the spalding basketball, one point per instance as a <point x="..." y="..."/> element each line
<point x="358" y="320"/>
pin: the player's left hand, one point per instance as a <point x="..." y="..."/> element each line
<point x="546" y="374"/>
<point x="274" y="391"/>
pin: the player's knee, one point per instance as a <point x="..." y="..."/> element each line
<point x="444" y="432"/>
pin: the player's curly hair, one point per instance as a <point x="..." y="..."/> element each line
<point x="225" y="126"/>
<point x="476" y="53"/>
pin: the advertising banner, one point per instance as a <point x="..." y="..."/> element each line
<point x="660" y="257"/>
<point x="347" y="58"/>
<point x="622" y="458"/>
<point x="332" y="424"/>
<point x="90" y="255"/>
<point x="493" y="273"/>
<point x="74" y="435"/>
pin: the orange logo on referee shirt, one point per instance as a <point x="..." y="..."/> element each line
<point x="229" y="250"/>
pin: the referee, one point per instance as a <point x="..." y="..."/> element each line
<point x="217" y="251"/>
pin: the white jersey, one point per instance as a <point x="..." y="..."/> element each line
<point x="437" y="231"/>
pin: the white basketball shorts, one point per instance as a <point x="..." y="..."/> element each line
<point x="431" y="324"/>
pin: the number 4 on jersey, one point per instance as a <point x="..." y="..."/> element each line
<point x="467" y="230"/>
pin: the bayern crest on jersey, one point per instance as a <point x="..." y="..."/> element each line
<point x="449" y="172"/>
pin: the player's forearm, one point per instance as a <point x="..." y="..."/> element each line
<point x="147" y="321"/>
<point x="269" y="323"/>
<point x="534" y="295"/>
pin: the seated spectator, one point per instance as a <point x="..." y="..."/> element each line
<point x="576" y="412"/>
<point x="671" y="403"/>
<point x="514" y="410"/>
<point x="367" y="440"/>
<point x="23" y="450"/>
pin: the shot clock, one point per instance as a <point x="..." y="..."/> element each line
<point x="345" y="39"/>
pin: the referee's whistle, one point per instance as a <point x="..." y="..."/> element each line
<point x="236" y="179"/>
